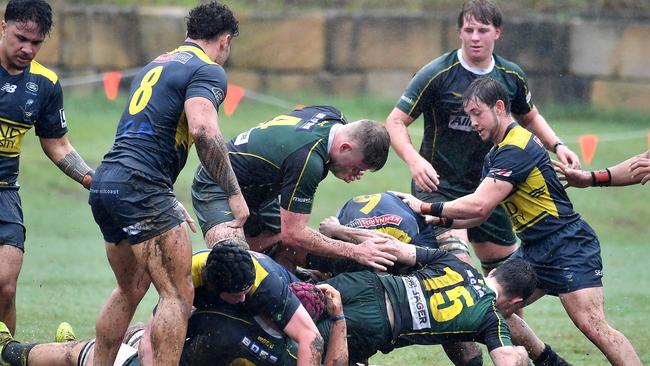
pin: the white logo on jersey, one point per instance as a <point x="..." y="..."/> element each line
<point x="242" y="138"/>
<point x="417" y="303"/>
<point x="9" y="88"/>
<point x="64" y="124"/>
<point x="460" y="123"/>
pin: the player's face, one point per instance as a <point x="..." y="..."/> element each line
<point x="20" y="44"/>
<point x="477" y="41"/>
<point x="484" y="119"/>
<point x="348" y="165"/>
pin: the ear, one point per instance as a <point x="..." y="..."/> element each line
<point x="345" y="146"/>
<point x="501" y="107"/>
<point x="497" y="32"/>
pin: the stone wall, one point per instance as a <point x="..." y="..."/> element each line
<point x="605" y="62"/>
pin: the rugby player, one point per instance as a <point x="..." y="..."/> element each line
<point x="556" y="241"/>
<point x="279" y="164"/>
<point x="30" y="96"/>
<point x="173" y="103"/>
<point x="446" y="167"/>
<point x="635" y="170"/>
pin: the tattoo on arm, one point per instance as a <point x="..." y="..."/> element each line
<point x="316" y="348"/>
<point x="74" y="166"/>
<point x="214" y="157"/>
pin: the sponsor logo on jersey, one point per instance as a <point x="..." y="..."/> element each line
<point x="537" y="141"/>
<point x="478" y="288"/>
<point x="258" y="350"/>
<point x="28" y="110"/>
<point x="406" y="99"/>
<point x="64" y="124"/>
<point x="371" y="222"/>
<point x="181" y="57"/>
<point x="242" y="138"/>
<point x="460" y="123"/>
<point x="9" y="88"/>
<point x="33" y="87"/>
<point x="417" y="303"/>
<point x="218" y="94"/>
<point x="313" y="121"/>
<point x="529" y="97"/>
<point x="302" y="199"/>
<point x="501" y="172"/>
<point x="11" y="138"/>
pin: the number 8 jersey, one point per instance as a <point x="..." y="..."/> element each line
<point x="153" y="136"/>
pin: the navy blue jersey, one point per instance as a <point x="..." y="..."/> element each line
<point x="386" y="213"/>
<point x="152" y="135"/>
<point x="31" y="98"/>
<point x="538" y="205"/>
<point x="269" y="296"/>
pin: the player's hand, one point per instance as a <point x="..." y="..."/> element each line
<point x="424" y="176"/>
<point x="432" y="220"/>
<point x="329" y="226"/>
<point x="354" y="176"/>
<point x="333" y="303"/>
<point x="410" y="200"/>
<point x="574" y="177"/>
<point x="568" y="157"/>
<point x="376" y="253"/>
<point x="640" y="168"/>
<point x="188" y="219"/>
<point x="239" y="210"/>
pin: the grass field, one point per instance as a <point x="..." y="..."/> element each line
<point x="66" y="276"/>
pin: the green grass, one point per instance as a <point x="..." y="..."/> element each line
<point x="66" y="276"/>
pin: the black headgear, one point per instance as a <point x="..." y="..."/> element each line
<point x="229" y="268"/>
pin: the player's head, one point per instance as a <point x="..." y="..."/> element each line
<point x="363" y="145"/>
<point x="517" y="280"/>
<point x="486" y="102"/>
<point x="24" y="28"/>
<point x="479" y="26"/>
<point x="213" y="22"/>
<point x="311" y="298"/>
<point x="229" y="270"/>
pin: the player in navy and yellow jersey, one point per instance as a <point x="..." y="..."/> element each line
<point x="448" y="164"/>
<point x="561" y="247"/>
<point x="173" y="103"/>
<point x="30" y="96"/>
<point x="278" y="165"/>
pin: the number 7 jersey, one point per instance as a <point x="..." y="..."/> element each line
<point x="152" y="135"/>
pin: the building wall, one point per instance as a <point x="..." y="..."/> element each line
<point x="605" y="62"/>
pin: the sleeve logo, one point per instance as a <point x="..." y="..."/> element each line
<point x="501" y="172"/>
<point x="218" y="94"/>
<point x="64" y="124"/>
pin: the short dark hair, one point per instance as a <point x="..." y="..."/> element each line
<point x="488" y="91"/>
<point x="229" y="267"/>
<point x="374" y="141"/>
<point x="516" y="277"/>
<point x="208" y="21"/>
<point x="37" y="11"/>
<point x="484" y="11"/>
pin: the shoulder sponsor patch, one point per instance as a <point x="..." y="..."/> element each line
<point x="181" y="57"/>
<point x="500" y="172"/>
<point x="313" y="121"/>
<point x="64" y="124"/>
<point x="406" y="99"/>
<point x="218" y="94"/>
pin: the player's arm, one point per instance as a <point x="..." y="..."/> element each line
<point x="337" y="346"/>
<point x="423" y="174"/>
<point x="466" y="211"/>
<point x="631" y="171"/>
<point x="509" y="356"/>
<point x="63" y="155"/>
<point x="534" y="122"/>
<point x="301" y="328"/>
<point x="203" y="122"/>
<point x="376" y="253"/>
<point x="331" y="227"/>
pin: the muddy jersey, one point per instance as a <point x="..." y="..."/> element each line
<point x="538" y="205"/>
<point x="270" y="294"/>
<point x="386" y="213"/>
<point x="287" y="155"/>
<point x="446" y="301"/>
<point x="449" y="144"/>
<point x="152" y="135"/>
<point x="32" y="98"/>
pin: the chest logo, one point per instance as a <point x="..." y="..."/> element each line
<point x="33" y="87"/>
<point x="460" y="123"/>
<point x="9" y="88"/>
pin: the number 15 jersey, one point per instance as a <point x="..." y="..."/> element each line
<point x="153" y="136"/>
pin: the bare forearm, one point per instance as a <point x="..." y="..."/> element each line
<point x="317" y="243"/>
<point x="540" y="128"/>
<point x="466" y="208"/>
<point x="74" y="166"/>
<point x="400" y="139"/>
<point x="310" y="353"/>
<point x="213" y="154"/>
<point x="337" y="347"/>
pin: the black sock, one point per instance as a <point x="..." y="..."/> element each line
<point x="550" y="358"/>
<point x="16" y="353"/>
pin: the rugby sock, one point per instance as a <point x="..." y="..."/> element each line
<point x="550" y="358"/>
<point x="16" y="353"/>
<point x="476" y="361"/>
